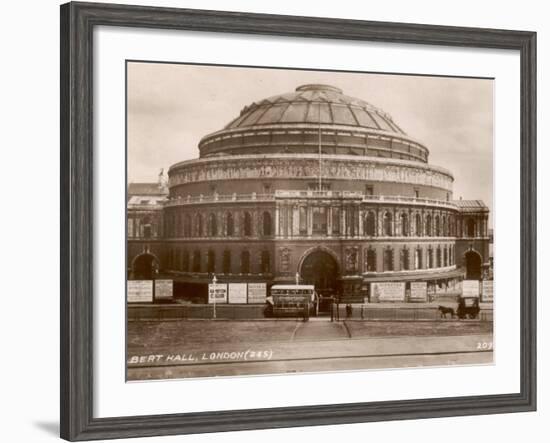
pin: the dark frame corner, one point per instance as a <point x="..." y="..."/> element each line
<point x="76" y="213"/>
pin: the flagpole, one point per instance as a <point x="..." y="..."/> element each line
<point x="320" y="152"/>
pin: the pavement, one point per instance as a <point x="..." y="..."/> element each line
<point x="315" y="356"/>
<point x="312" y="346"/>
<point x="320" y="330"/>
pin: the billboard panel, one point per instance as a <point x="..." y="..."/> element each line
<point x="164" y="289"/>
<point x="237" y="292"/>
<point x="217" y="293"/>
<point x="388" y="291"/>
<point x="139" y="291"/>
<point x="257" y="292"/>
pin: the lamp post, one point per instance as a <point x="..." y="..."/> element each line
<point x="214" y="281"/>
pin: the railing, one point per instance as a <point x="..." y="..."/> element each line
<point x="364" y="197"/>
<point x="317" y="194"/>
<point x="405" y="199"/>
<point x="280" y="194"/>
<point x="219" y="198"/>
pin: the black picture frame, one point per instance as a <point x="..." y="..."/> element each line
<point x="77" y="23"/>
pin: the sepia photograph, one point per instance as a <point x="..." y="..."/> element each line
<point x="286" y="221"/>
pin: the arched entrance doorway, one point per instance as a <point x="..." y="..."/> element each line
<point x="472" y="261"/>
<point x="143" y="267"/>
<point x="320" y="268"/>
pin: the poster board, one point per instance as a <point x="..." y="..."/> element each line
<point x="217" y="293"/>
<point x="257" y="292"/>
<point x="388" y="292"/>
<point x="419" y="291"/>
<point x="164" y="289"/>
<point x="237" y="292"/>
<point x="139" y="291"/>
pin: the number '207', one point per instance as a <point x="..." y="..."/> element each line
<point x="484" y="345"/>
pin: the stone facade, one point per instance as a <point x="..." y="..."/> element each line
<point x="263" y="210"/>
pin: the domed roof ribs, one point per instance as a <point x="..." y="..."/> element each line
<point x="373" y="119"/>
<point x="331" y="113"/>
<point x="255" y="116"/>
<point x="283" y="113"/>
<point x="353" y="115"/>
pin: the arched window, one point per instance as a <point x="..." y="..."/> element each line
<point x="319" y="219"/>
<point x="303" y="220"/>
<point x="197" y="261"/>
<point x="245" y="262"/>
<point x="187" y="226"/>
<point x="212" y="225"/>
<point x="370" y="224"/>
<point x="445" y="256"/>
<point x="336" y="220"/>
<point x="438" y="257"/>
<point x="418" y="258"/>
<point x="229" y="224"/>
<point x="226" y="261"/>
<point x="452" y="226"/>
<point x="178" y="224"/>
<point x="471" y="227"/>
<point x="387" y="224"/>
<point x="437" y="226"/>
<point x="428" y="225"/>
<point x="388" y="259"/>
<point x="404" y="225"/>
<point x="371" y="260"/>
<point x="211" y="262"/>
<point x="265" y="262"/>
<point x="266" y="222"/>
<point x="146" y="226"/>
<point x="352" y="222"/>
<point x="430" y="258"/>
<point x="147" y="231"/>
<point x="418" y="225"/>
<point x="199" y="225"/>
<point x="404" y="259"/>
<point x="247" y="224"/>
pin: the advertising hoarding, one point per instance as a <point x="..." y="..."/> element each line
<point x="237" y="292"/>
<point x="217" y="293"/>
<point x="139" y="291"/>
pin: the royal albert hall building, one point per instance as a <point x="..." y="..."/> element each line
<point x="312" y="185"/>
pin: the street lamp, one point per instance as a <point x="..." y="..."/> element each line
<point x="214" y="281"/>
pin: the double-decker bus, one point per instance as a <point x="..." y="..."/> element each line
<point x="293" y="300"/>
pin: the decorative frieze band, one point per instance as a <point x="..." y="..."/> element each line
<point x="244" y="167"/>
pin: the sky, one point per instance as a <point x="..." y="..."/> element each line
<point x="172" y="106"/>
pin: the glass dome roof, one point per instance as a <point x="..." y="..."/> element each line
<point x="314" y="103"/>
<point x="313" y="118"/>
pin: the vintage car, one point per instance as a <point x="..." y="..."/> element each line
<point x="468" y="307"/>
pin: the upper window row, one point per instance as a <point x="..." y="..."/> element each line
<point x="210" y="225"/>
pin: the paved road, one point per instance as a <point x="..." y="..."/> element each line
<point x="320" y="330"/>
<point x="305" y="366"/>
<point x="304" y="355"/>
